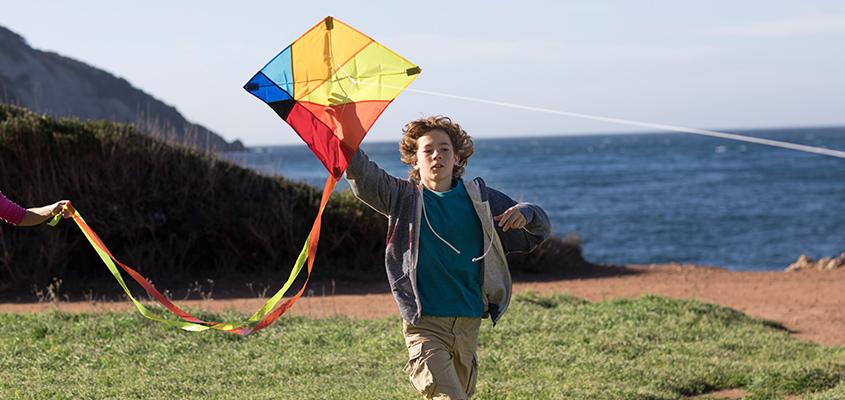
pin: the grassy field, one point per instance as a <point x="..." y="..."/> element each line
<point x="546" y="347"/>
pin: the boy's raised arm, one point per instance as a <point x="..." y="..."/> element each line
<point x="371" y="184"/>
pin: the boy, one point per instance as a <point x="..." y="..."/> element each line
<point x="445" y="254"/>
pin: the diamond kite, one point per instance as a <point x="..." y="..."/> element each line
<point x="330" y="86"/>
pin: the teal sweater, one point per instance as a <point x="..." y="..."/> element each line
<point x="451" y="240"/>
<point x="400" y="200"/>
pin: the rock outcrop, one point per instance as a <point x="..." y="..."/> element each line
<point x="805" y="262"/>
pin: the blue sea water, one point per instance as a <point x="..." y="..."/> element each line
<point x="655" y="197"/>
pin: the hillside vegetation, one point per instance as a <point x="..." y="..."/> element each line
<point x="177" y="214"/>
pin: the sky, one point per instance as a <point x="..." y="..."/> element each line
<point x="717" y="64"/>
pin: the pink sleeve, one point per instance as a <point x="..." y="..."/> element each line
<point x="10" y="212"/>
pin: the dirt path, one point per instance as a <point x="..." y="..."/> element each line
<point x="811" y="304"/>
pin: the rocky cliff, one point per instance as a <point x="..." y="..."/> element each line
<point x="52" y="84"/>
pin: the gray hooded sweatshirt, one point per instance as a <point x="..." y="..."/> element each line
<point x="401" y="201"/>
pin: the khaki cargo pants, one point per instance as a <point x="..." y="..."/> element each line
<point x="442" y="361"/>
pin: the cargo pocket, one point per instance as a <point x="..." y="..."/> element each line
<point x="417" y="370"/>
<point x="473" y="377"/>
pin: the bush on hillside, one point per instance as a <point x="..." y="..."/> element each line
<point x="174" y="213"/>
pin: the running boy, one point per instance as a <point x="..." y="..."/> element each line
<point x="446" y="245"/>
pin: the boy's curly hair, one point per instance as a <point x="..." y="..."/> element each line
<point x="461" y="142"/>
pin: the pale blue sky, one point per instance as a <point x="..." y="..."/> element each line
<point x="713" y="64"/>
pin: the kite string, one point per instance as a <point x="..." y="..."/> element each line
<point x="732" y="136"/>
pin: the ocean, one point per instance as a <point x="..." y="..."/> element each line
<point x="652" y="198"/>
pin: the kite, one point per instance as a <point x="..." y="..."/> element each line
<point x="330" y="86"/>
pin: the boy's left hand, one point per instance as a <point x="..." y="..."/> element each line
<point x="512" y="218"/>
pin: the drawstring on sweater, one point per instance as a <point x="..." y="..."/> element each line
<point x="476" y="259"/>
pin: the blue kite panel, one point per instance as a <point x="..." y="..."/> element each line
<point x="265" y="89"/>
<point x="280" y="71"/>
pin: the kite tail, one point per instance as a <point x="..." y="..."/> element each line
<point x="310" y="249"/>
<point x="264" y="316"/>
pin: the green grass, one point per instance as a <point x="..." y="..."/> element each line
<point x="546" y="347"/>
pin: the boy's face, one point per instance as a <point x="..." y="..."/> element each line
<point x="435" y="160"/>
